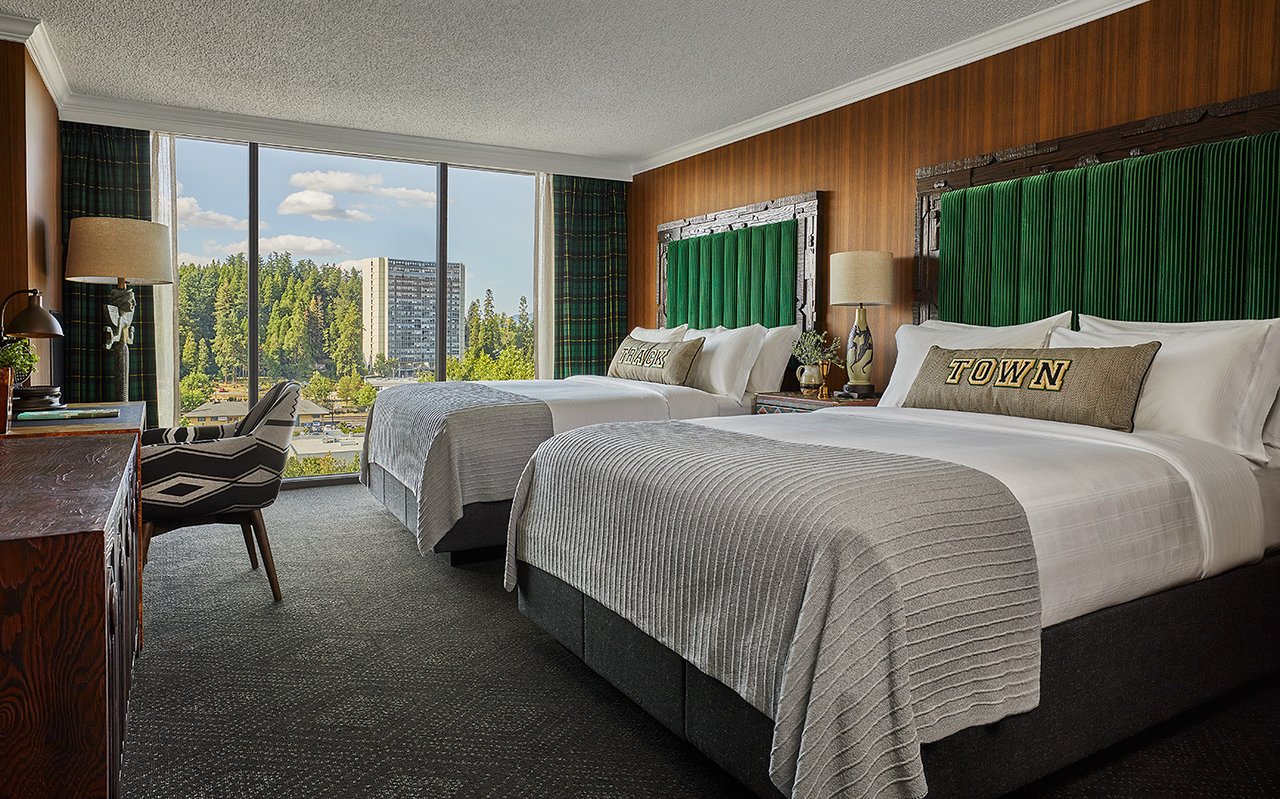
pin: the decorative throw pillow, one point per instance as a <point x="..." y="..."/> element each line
<point x="655" y="361"/>
<point x="914" y="342"/>
<point x="1079" y="385"/>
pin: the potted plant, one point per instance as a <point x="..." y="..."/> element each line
<point x="18" y="356"/>
<point x="815" y="355"/>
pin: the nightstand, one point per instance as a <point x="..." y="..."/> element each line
<point x="795" y="402"/>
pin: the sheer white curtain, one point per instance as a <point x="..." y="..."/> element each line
<point x="164" y="209"/>
<point x="544" y="280"/>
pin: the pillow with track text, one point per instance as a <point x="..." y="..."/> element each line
<point x="655" y="361"/>
<point x="1095" y="386"/>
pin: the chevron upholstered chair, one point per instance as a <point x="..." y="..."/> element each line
<point x="220" y="474"/>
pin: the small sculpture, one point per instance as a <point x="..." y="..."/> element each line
<point x="120" y="309"/>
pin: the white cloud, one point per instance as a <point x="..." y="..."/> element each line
<point x="333" y="180"/>
<point x="319" y="205"/>
<point x="190" y="214"/>
<point x="192" y="258"/>
<point x="352" y="264"/>
<point x="308" y="246"/>
<point x="356" y="183"/>
<point x="407" y="196"/>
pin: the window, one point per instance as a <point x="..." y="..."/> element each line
<point x="342" y="295"/>
<point x="212" y="216"/>
<point x="491" y="233"/>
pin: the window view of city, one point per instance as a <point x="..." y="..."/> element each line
<point x="346" y="285"/>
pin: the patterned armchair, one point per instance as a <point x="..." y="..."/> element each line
<point x="220" y="474"/>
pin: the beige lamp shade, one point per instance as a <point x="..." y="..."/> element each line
<point x="105" y="250"/>
<point x="861" y="277"/>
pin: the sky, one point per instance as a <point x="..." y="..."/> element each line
<point x="340" y="209"/>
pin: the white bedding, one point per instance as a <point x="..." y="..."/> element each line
<point x="1269" y="484"/>
<point x="1114" y="516"/>
<point x="585" y="399"/>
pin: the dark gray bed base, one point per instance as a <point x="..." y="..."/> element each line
<point x="1104" y="677"/>
<point x="481" y="533"/>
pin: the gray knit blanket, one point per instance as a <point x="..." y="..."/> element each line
<point x="866" y="602"/>
<point x="453" y="444"/>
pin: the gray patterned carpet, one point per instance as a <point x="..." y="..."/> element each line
<point x="384" y="674"/>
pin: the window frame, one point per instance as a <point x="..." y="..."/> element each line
<point x="254" y="343"/>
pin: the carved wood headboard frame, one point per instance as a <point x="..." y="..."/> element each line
<point x="801" y="207"/>
<point x="1252" y="114"/>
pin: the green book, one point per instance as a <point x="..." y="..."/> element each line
<point x="71" y="413"/>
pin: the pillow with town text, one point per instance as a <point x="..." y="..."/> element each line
<point x="655" y="361"/>
<point x="1096" y="386"/>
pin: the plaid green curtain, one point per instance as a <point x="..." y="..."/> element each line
<point x="591" y="272"/>
<point x="105" y="172"/>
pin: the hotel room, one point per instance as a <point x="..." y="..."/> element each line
<point x="826" y="401"/>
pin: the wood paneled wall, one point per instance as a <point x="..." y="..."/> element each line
<point x="30" y="240"/>
<point x="44" y="173"/>
<point x="1155" y="58"/>
<point x="13" y="168"/>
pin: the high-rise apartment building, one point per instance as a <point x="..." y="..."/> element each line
<point x="399" y="309"/>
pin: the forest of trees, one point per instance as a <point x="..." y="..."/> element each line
<point x="498" y="346"/>
<point x="309" y="318"/>
<point x="310" y="324"/>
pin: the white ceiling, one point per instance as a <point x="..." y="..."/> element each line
<point x="621" y="83"/>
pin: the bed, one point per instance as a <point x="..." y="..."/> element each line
<point x="445" y="458"/>
<point x="1113" y="579"/>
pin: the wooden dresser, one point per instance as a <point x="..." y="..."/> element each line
<point x="69" y="612"/>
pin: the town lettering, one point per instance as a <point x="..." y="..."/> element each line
<point x="1046" y="374"/>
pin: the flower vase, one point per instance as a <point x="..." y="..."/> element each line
<point x="810" y="376"/>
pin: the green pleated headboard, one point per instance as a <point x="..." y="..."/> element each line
<point x="739" y="267"/>
<point x="1184" y="235"/>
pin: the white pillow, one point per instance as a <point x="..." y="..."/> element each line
<point x="695" y="332"/>
<point x="1216" y="385"/>
<point x="1046" y="324"/>
<point x="659" y="333"/>
<point x="726" y="359"/>
<point x="914" y="342"/>
<point x="1271" y="430"/>
<point x="775" y="354"/>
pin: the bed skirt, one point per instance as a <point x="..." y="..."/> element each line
<point x="482" y="530"/>
<point x="1105" y="677"/>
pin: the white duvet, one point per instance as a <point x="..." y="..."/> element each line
<point x="1113" y="516"/>
<point x="585" y="399"/>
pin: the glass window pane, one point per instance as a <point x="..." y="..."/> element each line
<point x="491" y="239"/>
<point x="346" y="291"/>
<point x="213" y="301"/>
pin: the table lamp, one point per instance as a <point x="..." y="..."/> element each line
<point x="123" y="252"/>
<point x="31" y="322"/>
<point x="34" y="321"/>
<point x="861" y="278"/>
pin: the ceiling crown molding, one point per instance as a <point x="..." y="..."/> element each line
<point x="239" y="127"/>
<point x="16" y="29"/>
<point x="1065" y="15"/>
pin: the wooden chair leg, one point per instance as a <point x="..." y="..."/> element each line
<point x="260" y="531"/>
<point x="247" y="529"/>
<point x="144" y="541"/>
